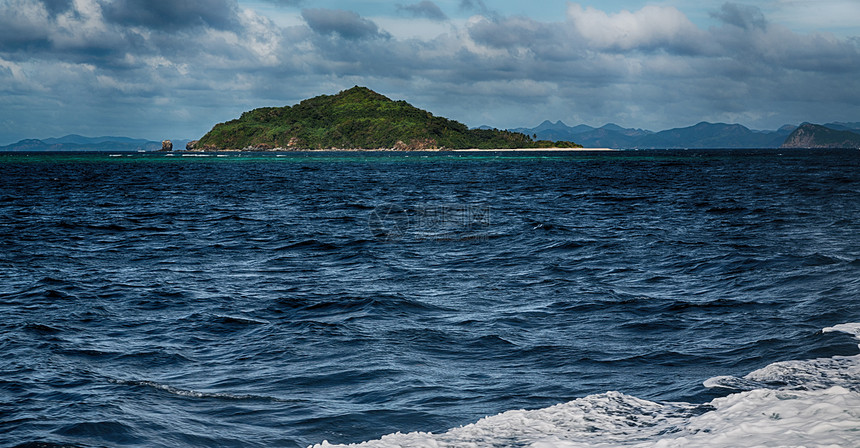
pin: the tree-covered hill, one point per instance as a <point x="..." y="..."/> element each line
<point x="810" y="135"/>
<point x="358" y="118"/>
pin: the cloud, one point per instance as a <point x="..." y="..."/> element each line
<point x="741" y="16"/>
<point x="512" y="32"/>
<point x="81" y="64"/>
<point x="650" y="28"/>
<point x="473" y="5"/>
<point x="172" y="14"/>
<point x="58" y="6"/>
<point x="426" y="9"/>
<point x="287" y="2"/>
<point x="346" y="24"/>
<point x="23" y="25"/>
<point x="29" y="29"/>
<point x="479" y="7"/>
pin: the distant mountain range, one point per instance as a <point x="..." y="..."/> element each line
<point x="702" y="135"/>
<point x="74" y="142"/>
<point x="607" y="136"/>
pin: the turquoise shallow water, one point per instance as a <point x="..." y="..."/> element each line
<point x="260" y="299"/>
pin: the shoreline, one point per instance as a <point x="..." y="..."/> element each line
<point x="392" y="150"/>
<point x="534" y="149"/>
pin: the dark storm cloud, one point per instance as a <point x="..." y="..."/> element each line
<point x="426" y="9"/>
<point x="759" y="48"/>
<point x="170" y="14"/>
<point x="15" y="38"/>
<point x="287" y="2"/>
<point x="514" y="32"/>
<point x="742" y="16"/>
<point x="116" y="34"/>
<point x="346" y="24"/>
<point x="473" y="5"/>
<point x="193" y="63"/>
<point x="23" y="27"/>
<point x="57" y="6"/>
<point x="624" y="64"/>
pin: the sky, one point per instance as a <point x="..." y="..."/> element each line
<point x="159" y="69"/>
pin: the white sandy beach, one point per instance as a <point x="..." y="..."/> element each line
<point x="398" y="150"/>
<point x="534" y="149"/>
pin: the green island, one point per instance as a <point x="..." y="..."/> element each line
<point x="357" y="118"/>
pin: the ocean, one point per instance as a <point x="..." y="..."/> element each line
<point x="706" y="298"/>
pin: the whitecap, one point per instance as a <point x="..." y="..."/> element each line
<point x="734" y="383"/>
<point x="239" y="319"/>
<point x="850" y="328"/>
<point x="812" y="403"/>
<point x="760" y="418"/>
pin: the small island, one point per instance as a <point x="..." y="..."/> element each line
<point x="356" y="119"/>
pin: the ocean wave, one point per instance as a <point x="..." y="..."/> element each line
<point x="786" y="404"/>
<point x="813" y="374"/>
<point x="191" y="393"/>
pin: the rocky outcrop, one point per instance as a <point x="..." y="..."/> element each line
<point x="166" y="145"/>
<point x="810" y="135"/>
<point x="194" y="145"/>
<point x="423" y="144"/>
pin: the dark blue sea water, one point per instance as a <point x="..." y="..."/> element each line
<point x="262" y="300"/>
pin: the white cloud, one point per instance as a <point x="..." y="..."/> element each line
<point x="23" y="21"/>
<point x="15" y="79"/>
<point x="810" y="16"/>
<point x="650" y="67"/>
<point x="649" y="28"/>
<point x="263" y="37"/>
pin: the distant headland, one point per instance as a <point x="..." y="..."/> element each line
<point x="810" y="135"/>
<point x="357" y="118"/>
<point x="703" y="135"/>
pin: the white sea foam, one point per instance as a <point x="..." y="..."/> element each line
<point x="852" y="328"/>
<point x="813" y="374"/>
<point x="813" y="403"/>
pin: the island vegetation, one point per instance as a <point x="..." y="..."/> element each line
<point x="357" y="118"/>
<point x="809" y="135"/>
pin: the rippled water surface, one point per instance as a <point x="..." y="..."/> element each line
<point x="259" y="300"/>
